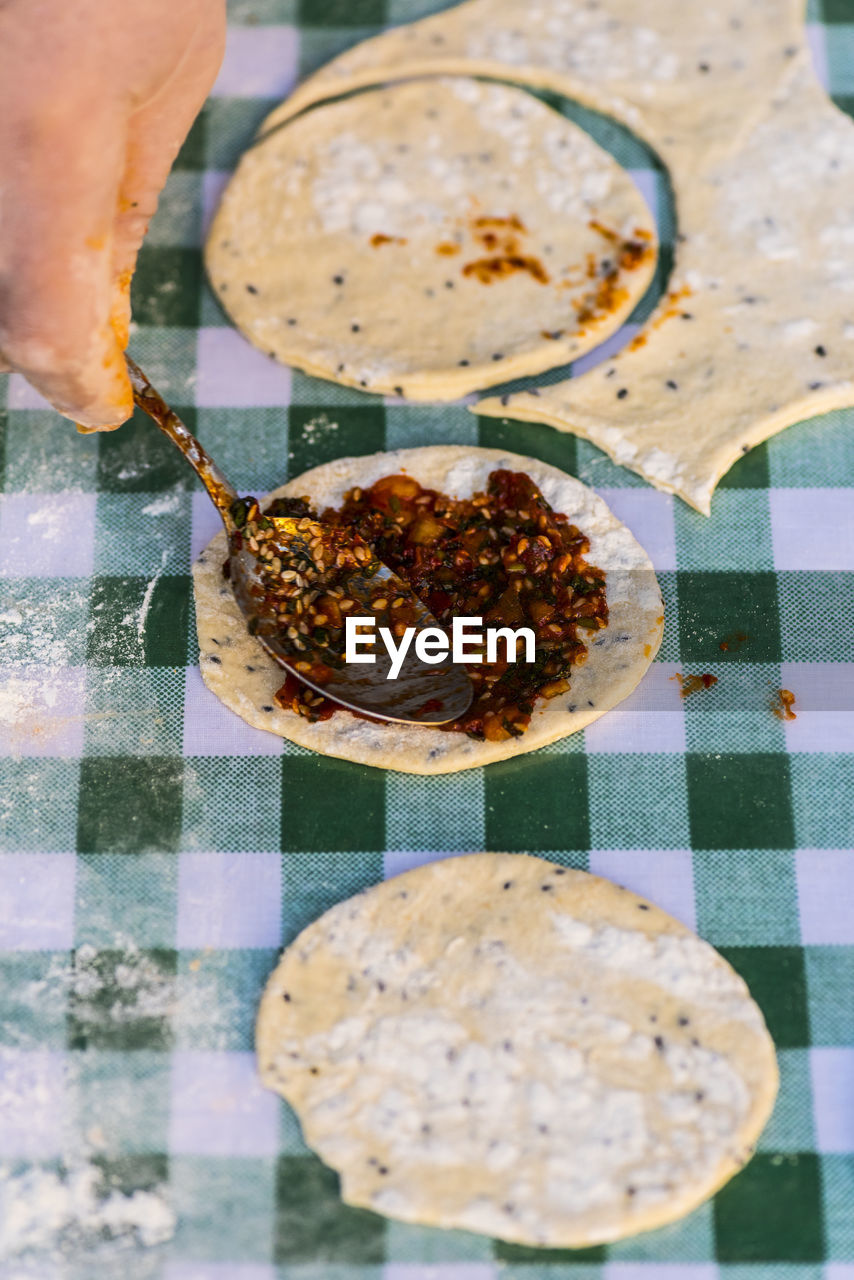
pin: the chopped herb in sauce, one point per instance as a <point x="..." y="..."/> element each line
<point x="503" y="555"/>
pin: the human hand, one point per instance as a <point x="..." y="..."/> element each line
<point x="95" y="100"/>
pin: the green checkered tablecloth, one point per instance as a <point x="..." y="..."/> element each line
<point x="158" y="852"/>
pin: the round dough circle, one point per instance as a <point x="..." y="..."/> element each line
<point x="499" y="1044"/>
<point x="341" y="244"/>
<point x="236" y="669"/>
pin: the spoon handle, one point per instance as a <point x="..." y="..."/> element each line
<point x="222" y="494"/>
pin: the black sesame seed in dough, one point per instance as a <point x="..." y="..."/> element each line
<point x="213" y="658"/>
<point x="820" y="351"/>
<point x="672" y="385"/>
<point x="463" y="364"/>
<point x="658" y="1041"/>
<point x="398" y="391"/>
<point x="286" y="997"/>
<point x="354" y="328"/>
<point x="266" y="708"/>
<point x="337" y="279"/>
<point x="291" y="320"/>
<point x="449" y="284"/>
<point x="507" y="884"/>
<point x="622" y="393"/>
<point x="703" y="66"/>
<point x="497" y="355"/>
<point x="643" y="906"/>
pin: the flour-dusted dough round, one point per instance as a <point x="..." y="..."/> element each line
<point x="236" y="669"/>
<point x="757" y="329"/>
<point x="496" y="1043"/>
<point x="341" y="244"/>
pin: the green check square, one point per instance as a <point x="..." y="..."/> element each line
<point x="407" y="426"/>
<point x="815" y="453"/>
<point x="121" y="901"/>
<point x="777" y="981"/>
<point x="143" y="534"/>
<point x="505" y="1251"/>
<point x="771" y="1212"/>
<point x="120" y="999"/>
<point x="126" y="1174"/>
<point x="139" y="621"/>
<point x="690" y="1239"/>
<point x="124" y="1099"/>
<point x="637" y="802"/>
<point x="166" y="286"/>
<point x="830" y="981"/>
<point x="314" y="1225"/>
<point x="231" y="803"/>
<point x="822" y="787"/>
<point x="139" y="459"/>
<point x="33" y="998"/>
<point x="224" y="1207"/>
<point x="134" y="711"/>
<point x="341" y="13"/>
<point x="739" y="801"/>
<point x="736" y="610"/>
<point x="747" y="897"/>
<point x="738" y="537"/>
<point x="836" y="11"/>
<point x="791" y="1125"/>
<point x="815" y="616"/>
<point x="251" y="445"/>
<point x="129" y="805"/>
<point x="43" y="620"/>
<point x="837" y="1179"/>
<point x="536" y="803"/>
<point x="192" y="153"/>
<point x="38" y="804"/>
<point x="216" y="997"/>
<point x="752" y="471"/>
<point x="314" y="882"/>
<point x="231" y="125"/>
<point x="44" y="454"/>
<point x="356" y="818"/>
<point x="317" y="435"/>
<point x="532" y="439"/>
<point x="178" y="221"/>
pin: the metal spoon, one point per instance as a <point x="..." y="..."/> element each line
<point x="429" y="695"/>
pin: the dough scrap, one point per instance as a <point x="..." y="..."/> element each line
<point x="495" y="1043"/>
<point x="235" y="668"/>
<point x="430" y="239"/>
<point x="762" y="168"/>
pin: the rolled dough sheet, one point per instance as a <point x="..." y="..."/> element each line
<point x="757" y="329"/>
<point x="236" y="669"/>
<point x="430" y="239"/>
<point x="499" y="1044"/>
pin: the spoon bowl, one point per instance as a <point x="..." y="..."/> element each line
<point x="278" y="579"/>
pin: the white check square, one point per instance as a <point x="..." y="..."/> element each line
<point x="259" y="62"/>
<point x="812" y="528"/>
<point x="650" y="719"/>
<point x="664" y="876"/>
<point x="219" y="1107"/>
<point x="47" y="535"/>
<point x="231" y="373"/>
<point x="826" y="896"/>
<point x="229" y="900"/>
<point x="832" y="1071"/>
